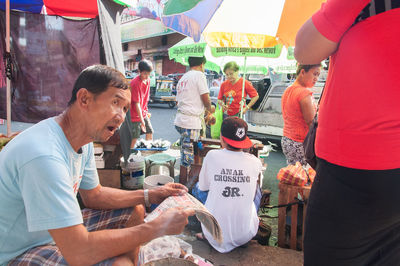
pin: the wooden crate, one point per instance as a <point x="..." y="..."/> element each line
<point x="110" y="177"/>
<point x="287" y="194"/>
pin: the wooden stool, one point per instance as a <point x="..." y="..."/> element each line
<point x="288" y="194"/>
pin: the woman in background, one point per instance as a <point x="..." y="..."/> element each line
<point x="298" y="111"/>
<point x="230" y="93"/>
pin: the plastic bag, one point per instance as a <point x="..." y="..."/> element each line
<point x="296" y="175"/>
<point x="169" y="247"/>
<point x="216" y="128"/>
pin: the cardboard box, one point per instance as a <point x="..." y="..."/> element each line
<point x="110" y="177"/>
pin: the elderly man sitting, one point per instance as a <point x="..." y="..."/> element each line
<point x="44" y="167"/>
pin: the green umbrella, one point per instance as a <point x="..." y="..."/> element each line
<point x="250" y="60"/>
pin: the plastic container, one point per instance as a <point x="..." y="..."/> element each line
<point x="99" y="159"/>
<point x="160" y="164"/>
<point x="156" y="180"/>
<point x="133" y="172"/>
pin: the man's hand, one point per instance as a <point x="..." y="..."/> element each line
<point x="159" y="194"/>
<point x="173" y="220"/>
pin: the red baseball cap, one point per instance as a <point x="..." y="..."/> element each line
<point x="234" y="132"/>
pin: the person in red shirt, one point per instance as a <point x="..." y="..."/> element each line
<point x="230" y="93"/>
<point x="353" y="212"/>
<point x="298" y="111"/>
<point x="140" y="91"/>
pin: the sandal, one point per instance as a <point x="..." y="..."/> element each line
<point x="201" y="237"/>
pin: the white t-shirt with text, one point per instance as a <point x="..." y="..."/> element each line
<point x="231" y="179"/>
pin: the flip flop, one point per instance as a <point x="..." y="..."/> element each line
<point x="201" y="237"/>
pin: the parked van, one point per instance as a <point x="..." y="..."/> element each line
<point x="265" y="121"/>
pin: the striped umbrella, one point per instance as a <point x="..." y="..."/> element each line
<point x="237" y="23"/>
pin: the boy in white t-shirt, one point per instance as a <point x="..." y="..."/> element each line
<point x="231" y="178"/>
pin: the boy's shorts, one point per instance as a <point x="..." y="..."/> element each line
<point x="137" y="131"/>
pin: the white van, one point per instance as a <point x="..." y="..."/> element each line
<point x="266" y="121"/>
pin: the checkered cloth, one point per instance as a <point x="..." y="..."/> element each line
<point x="94" y="220"/>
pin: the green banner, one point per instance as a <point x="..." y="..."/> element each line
<point x="290" y="53"/>
<point x="196" y="50"/>
<point x="270" y="52"/>
<point x="181" y="54"/>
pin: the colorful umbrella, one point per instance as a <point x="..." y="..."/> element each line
<point x="237" y="23"/>
<point x="240" y="24"/>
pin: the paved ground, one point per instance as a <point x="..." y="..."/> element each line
<point x="253" y="254"/>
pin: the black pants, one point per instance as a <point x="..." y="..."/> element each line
<point x="353" y="217"/>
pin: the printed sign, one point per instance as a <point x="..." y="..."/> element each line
<point x="270" y="52"/>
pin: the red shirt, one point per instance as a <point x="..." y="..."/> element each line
<point x="140" y="93"/>
<point x="294" y="125"/>
<point x="359" y="116"/>
<point x="232" y="94"/>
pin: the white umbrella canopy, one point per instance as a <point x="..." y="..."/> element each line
<point x="238" y="23"/>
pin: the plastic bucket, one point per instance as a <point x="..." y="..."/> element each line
<point x="156" y="180"/>
<point x="133" y="172"/>
<point x="153" y="181"/>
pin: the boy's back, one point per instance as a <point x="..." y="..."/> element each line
<point x="231" y="179"/>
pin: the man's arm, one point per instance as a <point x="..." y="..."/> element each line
<point x="311" y="46"/>
<point x="112" y="198"/>
<point x="319" y="37"/>
<point x="80" y="247"/>
<point x="205" y="98"/>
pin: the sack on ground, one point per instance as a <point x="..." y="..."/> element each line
<point x="296" y="175"/>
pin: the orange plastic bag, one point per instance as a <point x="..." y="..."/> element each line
<point x="296" y="175"/>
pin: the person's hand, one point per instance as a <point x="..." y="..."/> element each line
<point x="224" y="108"/>
<point x="212" y="108"/>
<point x="148" y="115"/>
<point x="210" y="119"/>
<point x="159" y="194"/>
<point x="173" y="220"/>
<point x="245" y="109"/>
<point x="143" y="127"/>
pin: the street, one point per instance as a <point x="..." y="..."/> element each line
<point x="162" y="119"/>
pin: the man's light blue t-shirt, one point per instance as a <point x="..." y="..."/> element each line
<point x="40" y="175"/>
